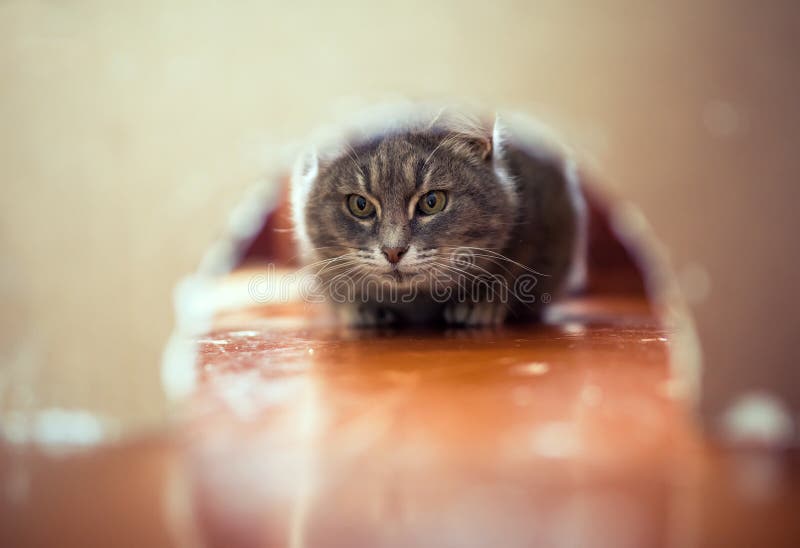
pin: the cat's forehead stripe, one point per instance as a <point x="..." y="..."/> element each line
<point x="366" y="175"/>
<point x="373" y="172"/>
<point x="419" y="172"/>
<point x="362" y="182"/>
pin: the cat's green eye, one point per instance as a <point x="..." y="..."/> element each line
<point x="360" y="206"/>
<point x="433" y="202"/>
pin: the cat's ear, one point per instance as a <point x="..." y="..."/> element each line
<point x="477" y="148"/>
<point x="481" y="142"/>
<point x="467" y="136"/>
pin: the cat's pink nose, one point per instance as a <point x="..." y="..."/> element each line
<point x="394" y="254"/>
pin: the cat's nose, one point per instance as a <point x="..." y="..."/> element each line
<point x="394" y="254"/>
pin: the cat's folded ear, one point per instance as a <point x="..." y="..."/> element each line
<point x="475" y="148"/>
<point x="478" y="141"/>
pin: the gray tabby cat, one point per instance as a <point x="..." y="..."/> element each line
<point x="436" y="216"/>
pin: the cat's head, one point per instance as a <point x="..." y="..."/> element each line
<point x="399" y="204"/>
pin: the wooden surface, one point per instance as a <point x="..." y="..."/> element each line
<point x="303" y="433"/>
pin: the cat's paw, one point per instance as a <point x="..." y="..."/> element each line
<point x="475" y="314"/>
<point x="366" y="316"/>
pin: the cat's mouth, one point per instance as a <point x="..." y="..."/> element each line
<point x="400" y="276"/>
<point x="396" y="275"/>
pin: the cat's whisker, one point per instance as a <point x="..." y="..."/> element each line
<point x="340" y="276"/>
<point x="487" y="285"/>
<point x="496" y="255"/>
<point x="317" y="249"/>
<point x="344" y="264"/>
<point x="489" y="258"/>
<point x="448" y="139"/>
<point x="458" y="271"/>
<point x="351" y="153"/>
<point x="469" y="277"/>
<point x="478" y="279"/>
<point x="339" y="247"/>
<point x="347" y="258"/>
<point x="367" y="272"/>
<point x="440" y="270"/>
<point x="325" y="261"/>
<point x="494" y="262"/>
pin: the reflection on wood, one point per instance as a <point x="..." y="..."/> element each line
<point x="303" y="433"/>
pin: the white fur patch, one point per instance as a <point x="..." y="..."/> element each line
<point x="577" y="277"/>
<point x="304" y="175"/>
<point x="499" y="136"/>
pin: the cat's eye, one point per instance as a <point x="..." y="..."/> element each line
<point x="433" y="202"/>
<point x="360" y="206"/>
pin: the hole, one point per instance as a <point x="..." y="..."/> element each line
<point x="390" y="426"/>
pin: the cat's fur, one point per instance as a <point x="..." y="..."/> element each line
<point x="514" y="211"/>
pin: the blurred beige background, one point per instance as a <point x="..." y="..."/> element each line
<point x="129" y="130"/>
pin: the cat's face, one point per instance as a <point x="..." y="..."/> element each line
<point x="402" y="205"/>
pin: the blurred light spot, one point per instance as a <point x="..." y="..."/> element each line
<point x="55" y="427"/>
<point x="247" y="393"/>
<point x="61" y="426"/>
<point x="556" y="440"/>
<point x="695" y="283"/>
<point x="574" y="328"/>
<point x="219" y="342"/>
<point x="178" y="367"/>
<point x="758" y="418"/>
<point x="533" y="368"/>
<point x="722" y="119"/>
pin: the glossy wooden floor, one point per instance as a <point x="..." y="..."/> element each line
<point x="307" y="434"/>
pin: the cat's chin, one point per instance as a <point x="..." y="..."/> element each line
<point x="400" y="277"/>
<point x="397" y="275"/>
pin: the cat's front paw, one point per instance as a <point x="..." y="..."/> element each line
<point x="366" y="316"/>
<point x="475" y="314"/>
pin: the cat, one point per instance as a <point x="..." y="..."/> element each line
<point x="439" y="216"/>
